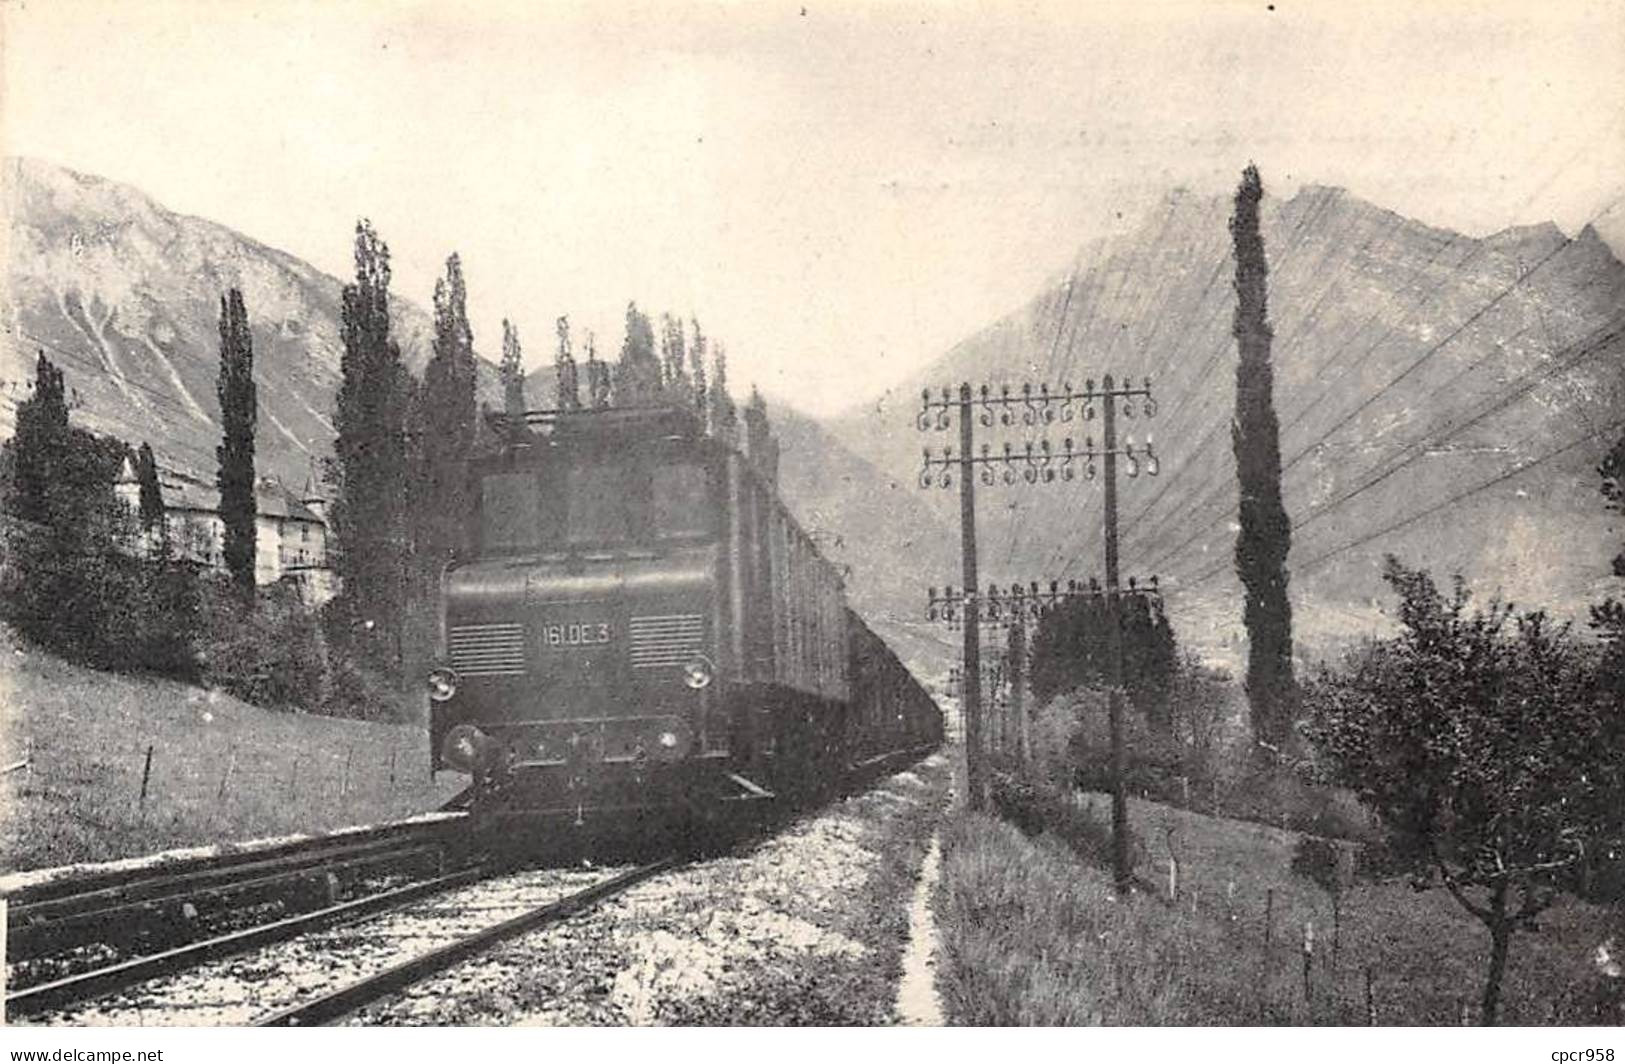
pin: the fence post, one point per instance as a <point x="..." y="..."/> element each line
<point x="146" y="774"/>
<point x="225" y="777"/>
<point x="344" y="780"/>
<point x="1308" y="964"/>
<point x="1370" y="1001"/>
<point x="293" y="775"/>
<point x="1269" y="924"/>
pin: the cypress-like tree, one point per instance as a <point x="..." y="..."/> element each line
<point x="1266" y="533"/>
<point x="513" y="371"/>
<point x="235" y="455"/>
<point x="368" y="471"/>
<point x="152" y="495"/>
<point x="447" y="427"/>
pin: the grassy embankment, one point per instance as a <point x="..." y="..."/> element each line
<point x="221" y="770"/>
<point x="1032" y="934"/>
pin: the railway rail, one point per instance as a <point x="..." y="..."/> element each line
<point x="335" y="1004"/>
<point x="89" y="931"/>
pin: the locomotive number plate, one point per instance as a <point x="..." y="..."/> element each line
<point x="564" y="636"/>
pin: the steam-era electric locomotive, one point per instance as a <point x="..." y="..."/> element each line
<point x="643" y="628"/>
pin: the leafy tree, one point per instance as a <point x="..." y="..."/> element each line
<point x="74" y="582"/>
<point x="513" y="371"/>
<point x="368" y="471"/>
<point x="1266" y="533"/>
<point x="235" y="455"/>
<point x="1609" y="618"/>
<point x="152" y="508"/>
<point x="37" y="445"/>
<point x="1612" y="470"/>
<point x="1481" y="742"/>
<point x="1069" y="649"/>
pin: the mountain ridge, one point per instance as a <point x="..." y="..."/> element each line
<point x="1391" y="335"/>
<point x="1421" y="375"/>
<point x="124" y="293"/>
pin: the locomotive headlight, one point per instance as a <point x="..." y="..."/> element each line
<point x="697" y="672"/>
<point x="442" y="684"/>
<point x="668" y="740"/>
<point x="461" y="748"/>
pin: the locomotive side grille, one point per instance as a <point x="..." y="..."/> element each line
<point x="487" y="649"/>
<point x="667" y="640"/>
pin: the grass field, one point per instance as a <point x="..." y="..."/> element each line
<point x="221" y="770"/>
<point x="1034" y="936"/>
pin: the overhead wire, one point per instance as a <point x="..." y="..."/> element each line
<point x="1599" y="341"/>
<point x="1411" y="368"/>
<point x="1190" y="456"/>
<point x="1296" y="236"/>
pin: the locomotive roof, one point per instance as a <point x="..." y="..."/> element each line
<point x="605" y="423"/>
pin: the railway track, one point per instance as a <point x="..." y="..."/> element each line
<point x="83" y="932"/>
<point x="335" y="1004"/>
<point x="319" y="975"/>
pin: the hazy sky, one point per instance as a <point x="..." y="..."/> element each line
<point x="838" y="191"/>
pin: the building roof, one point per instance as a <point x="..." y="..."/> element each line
<point x="270" y="497"/>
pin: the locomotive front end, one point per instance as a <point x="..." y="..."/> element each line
<point x="580" y="672"/>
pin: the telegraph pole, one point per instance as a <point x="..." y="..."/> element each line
<point x="1041" y="463"/>
<point x="975" y="768"/>
<point x="1114" y="654"/>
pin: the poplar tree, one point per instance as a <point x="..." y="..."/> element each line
<point x="235" y="455"/>
<point x="638" y="373"/>
<point x="696" y="370"/>
<point x="724" y="416"/>
<point x="447" y="422"/>
<point x="1265" y="536"/>
<point x="368" y="471"/>
<point x="513" y="371"/>
<point x="674" y="358"/>
<point x="564" y="366"/>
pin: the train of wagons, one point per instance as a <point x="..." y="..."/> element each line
<point x="643" y="630"/>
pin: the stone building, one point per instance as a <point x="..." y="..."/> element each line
<point x="290" y="536"/>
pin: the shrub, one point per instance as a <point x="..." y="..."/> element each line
<point x="271" y="654"/>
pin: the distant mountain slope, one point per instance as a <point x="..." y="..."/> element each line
<point x="872" y="522"/>
<point x="124" y="295"/>
<point x="1443" y="397"/>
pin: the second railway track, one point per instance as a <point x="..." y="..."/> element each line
<point x="305" y="976"/>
